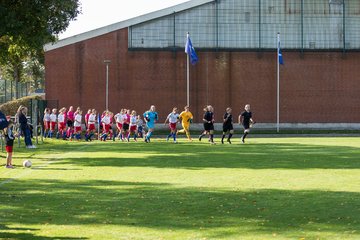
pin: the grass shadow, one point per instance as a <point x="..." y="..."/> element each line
<point x="163" y="206"/>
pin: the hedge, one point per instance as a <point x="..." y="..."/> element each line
<point x="11" y="107"/>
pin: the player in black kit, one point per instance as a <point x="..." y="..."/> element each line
<point x="208" y="120"/>
<point x="245" y="119"/>
<point x="227" y="126"/>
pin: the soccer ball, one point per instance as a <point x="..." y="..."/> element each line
<point x="27" y="163"/>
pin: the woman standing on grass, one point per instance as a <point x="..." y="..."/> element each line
<point x="25" y="128"/>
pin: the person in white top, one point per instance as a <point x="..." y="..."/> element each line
<point x="52" y="122"/>
<point x="77" y="124"/>
<point x="133" y="126"/>
<point x="46" y="120"/>
<point x="119" y="119"/>
<point x="106" y="126"/>
<point x="91" y="125"/>
<point x="61" y="123"/>
<point x="173" y="118"/>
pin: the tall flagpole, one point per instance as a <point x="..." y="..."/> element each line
<point x="278" y="86"/>
<point x="187" y="77"/>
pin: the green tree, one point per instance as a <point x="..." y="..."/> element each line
<point x="26" y="25"/>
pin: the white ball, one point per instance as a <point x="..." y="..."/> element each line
<point x="27" y="163"/>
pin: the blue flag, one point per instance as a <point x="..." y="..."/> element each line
<point x="190" y="51"/>
<point x="281" y="61"/>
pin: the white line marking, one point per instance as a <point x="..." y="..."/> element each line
<point x="53" y="160"/>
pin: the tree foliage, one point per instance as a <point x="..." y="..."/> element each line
<point x="33" y="23"/>
<point x="26" y="25"/>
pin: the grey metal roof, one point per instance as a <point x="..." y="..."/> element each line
<point x="124" y="24"/>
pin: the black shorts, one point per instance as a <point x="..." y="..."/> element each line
<point x="246" y="126"/>
<point x="70" y="123"/>
<point x="228" y="128"/>
<point x="125" y="127"/>
<point x="208" y="126"/>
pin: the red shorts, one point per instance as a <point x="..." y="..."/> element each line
<point x="61" y="126"/>
<point x="52" y="125"/>
<point x="172" y="126"/>
<point x="119" y="125"/>
<point x="133" y="128"/>
<point x="91" y="127"/>
<point x="78" y="129"/>
<point x="9" y="149"/>
<point x="46" y="125"/>
<point x="106" y="127"/>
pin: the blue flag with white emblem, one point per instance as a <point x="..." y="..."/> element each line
<point x="190" y="51"/>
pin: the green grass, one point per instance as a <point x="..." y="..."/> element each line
<point x="269" y="188"/>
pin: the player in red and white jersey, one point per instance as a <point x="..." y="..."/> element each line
<point x="173" y="118"/>
<point x="77" y="124"/>
<point x="53" y="121"/>
<point x="61" y="123"/>
<point x="119" y="119"/>
<point x="105" y="120"/>
<point x="133" y="126"/>
<point x="86" y="118"/>
<point x="91" y="125"/>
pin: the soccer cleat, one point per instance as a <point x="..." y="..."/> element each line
<point x="175" y="141"/>
<point x="167" y="139"/>
<point x="242" y="140"/>
<point x="200" y="137"/>
<point x="222" y="141"/>
<point x="229" y="141"/>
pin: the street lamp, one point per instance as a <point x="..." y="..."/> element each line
<point x="107" y="62"/>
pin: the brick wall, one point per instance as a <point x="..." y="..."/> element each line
<point x="315" y="87"/>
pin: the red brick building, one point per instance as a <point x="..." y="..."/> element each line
<point x="320" y="80"/>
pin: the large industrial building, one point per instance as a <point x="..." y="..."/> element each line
<point x="236" y="43"/>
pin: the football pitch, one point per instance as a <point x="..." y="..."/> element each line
<point x="268" y="188"/>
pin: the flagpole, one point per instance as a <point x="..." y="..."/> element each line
<point x="278" y="87"/>
<point x="188" y="78"/>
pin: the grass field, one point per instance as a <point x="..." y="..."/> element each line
<point x="268" y="188"/>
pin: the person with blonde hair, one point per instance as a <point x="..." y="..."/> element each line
<point x="53" y="118"/>
<point x="150" y="118"/>
<point x="186" y="118"/>
<point x="133" y="126"/>
<point x="245" y="119"/>
<point x="25" y="127"/>
<point x="208" y="120"/>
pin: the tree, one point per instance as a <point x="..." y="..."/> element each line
<point x="33" y="23"/>
<point x="26" y="26"/>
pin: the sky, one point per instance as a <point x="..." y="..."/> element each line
<point x="96" y="14"/>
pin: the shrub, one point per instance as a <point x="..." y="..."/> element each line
<point x="11" y="107"/>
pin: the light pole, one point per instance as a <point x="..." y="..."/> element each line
<point x="107" y="62"/>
